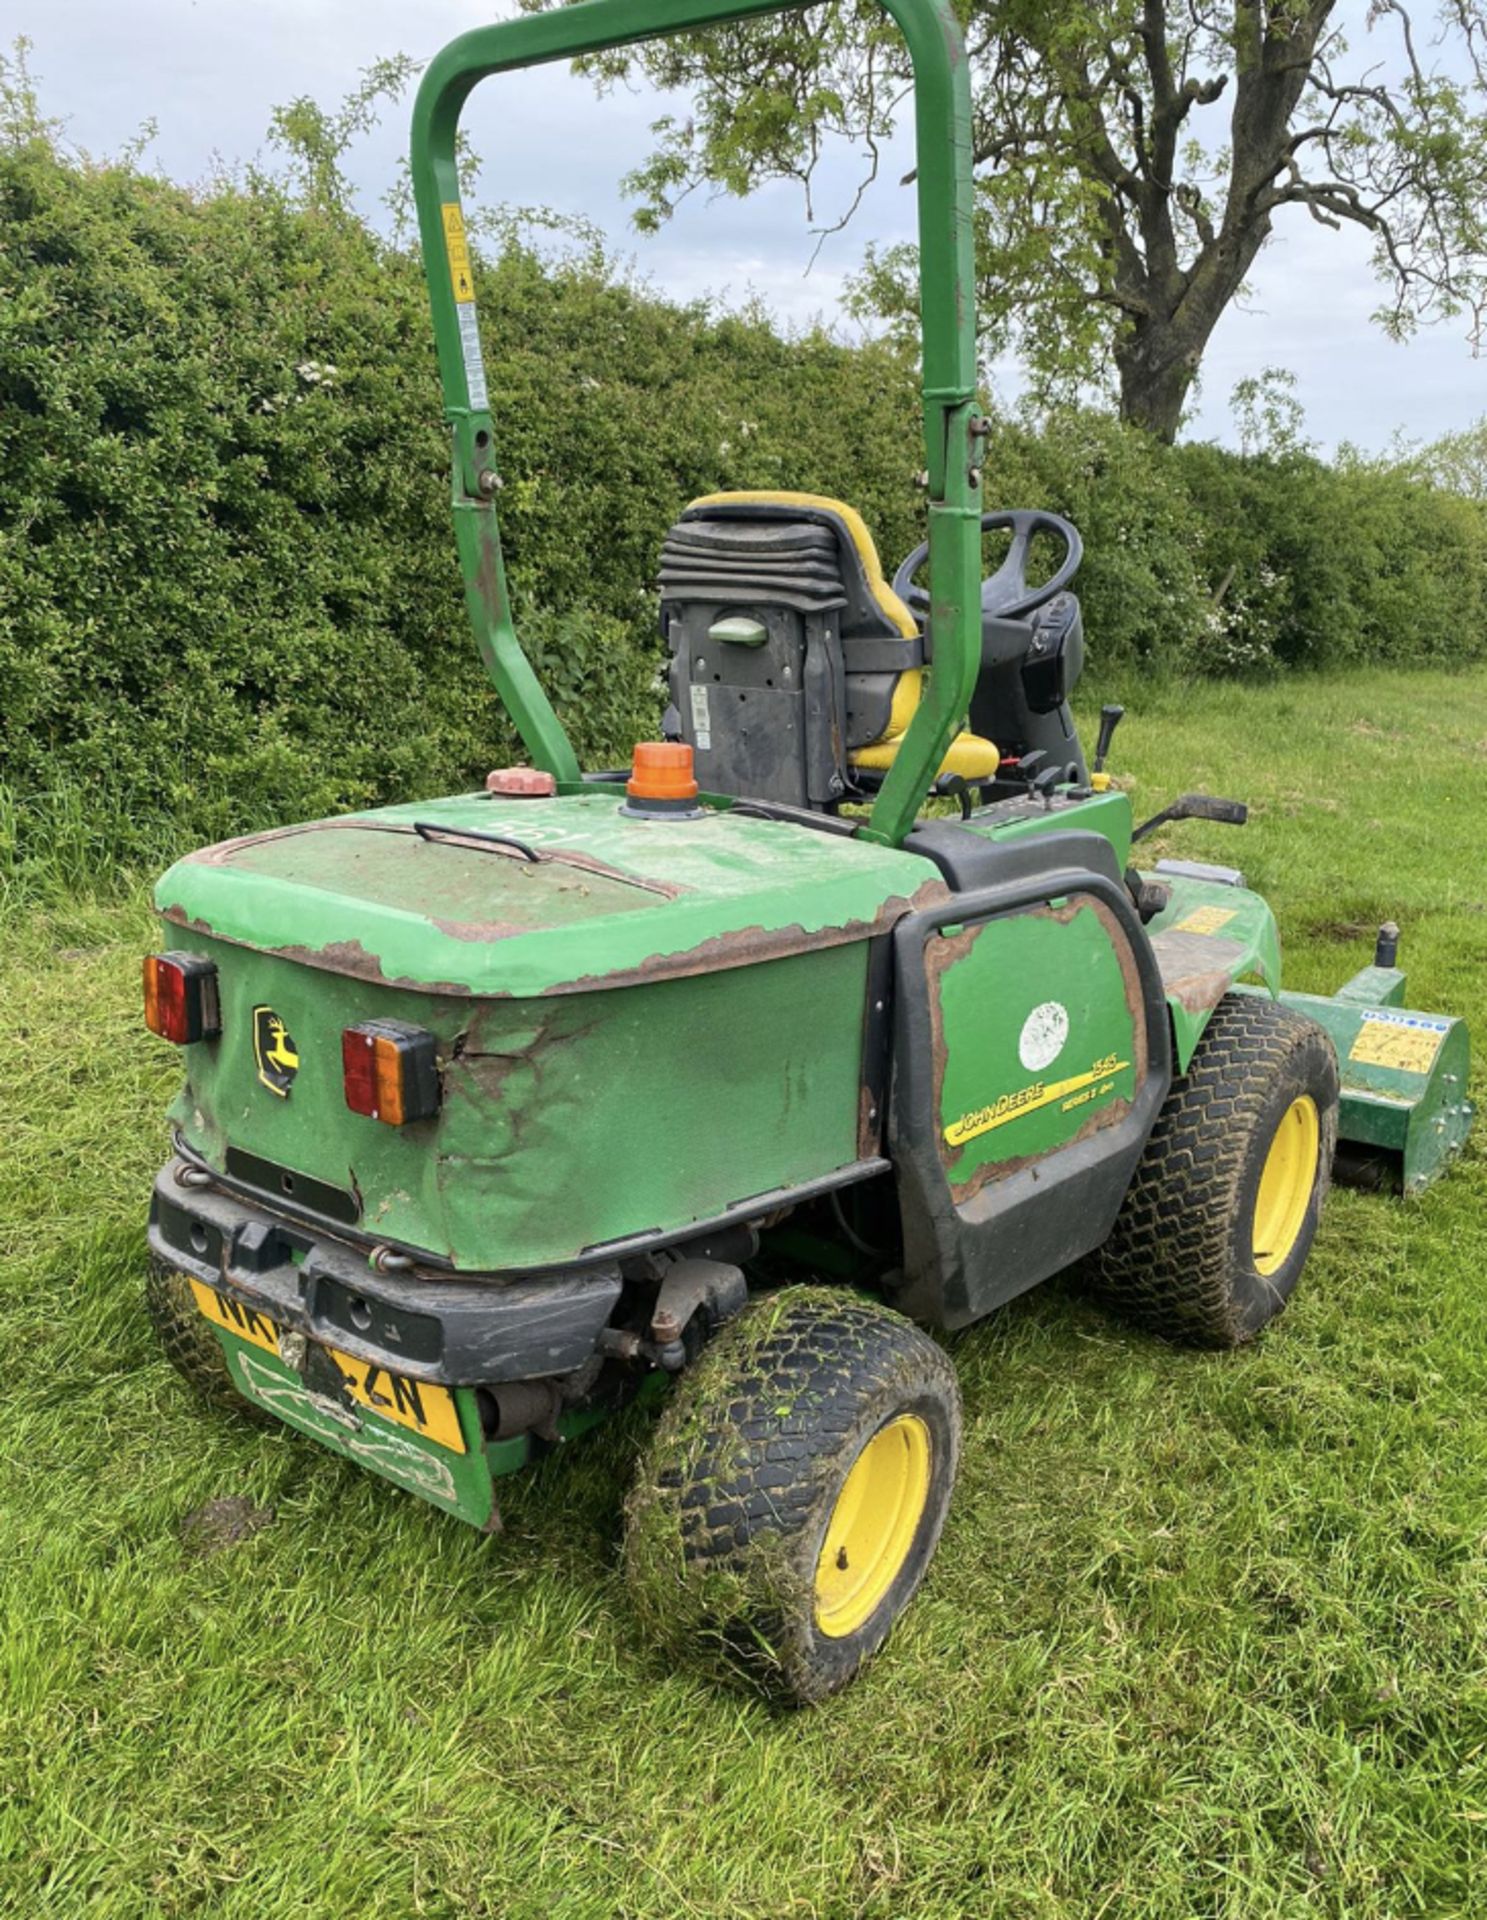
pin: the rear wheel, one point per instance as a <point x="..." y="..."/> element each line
<point x="191" y="1346"/>
<point x="795" y="1490"/>
<point x="1221" y="1215"/>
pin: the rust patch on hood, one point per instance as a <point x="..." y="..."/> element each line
<point x="475" y="837"/>
<point x="340" y="956"/>
<point x="746" y="946"/>
<point x="743" y="947"/>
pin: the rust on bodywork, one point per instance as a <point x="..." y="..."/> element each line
<point x="945" y="952"/>
<point x="226" y="850"/>
<point x="1197" y="969"/>
<point x="746" y="946"/>
<point x="1110" y="1115"/>
<point x="742" y="947"/>
<point x="347" y="957"/>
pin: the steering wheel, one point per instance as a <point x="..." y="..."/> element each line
<point x="1006" y="593"/>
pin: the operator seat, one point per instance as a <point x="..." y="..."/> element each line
<point x="794" y="666"/>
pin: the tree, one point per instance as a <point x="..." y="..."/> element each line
<point x="1132" y="157"/>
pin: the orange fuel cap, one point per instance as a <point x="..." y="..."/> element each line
<point x="662" y="770"/>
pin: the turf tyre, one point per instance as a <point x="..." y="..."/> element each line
<point x="1181" y="1258"/>
<point x="191" y="1347"/>
<point x="730" y="1512"/>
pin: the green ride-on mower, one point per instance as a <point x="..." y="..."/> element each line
<point x="731" y="1073"/>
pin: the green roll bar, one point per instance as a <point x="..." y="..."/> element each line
<point x="953" y="434"/>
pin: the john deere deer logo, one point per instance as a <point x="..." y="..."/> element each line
<point x="275" y="1052"/>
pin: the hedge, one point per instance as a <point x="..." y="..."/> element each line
<point x="228" y="592"/>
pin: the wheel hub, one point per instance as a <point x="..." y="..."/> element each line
<point x="1286" y="1183"/>
<point x="873" y="1525"/>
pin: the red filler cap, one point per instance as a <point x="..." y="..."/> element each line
<point x="528" y="783"/>
<point x="662" y="771"/>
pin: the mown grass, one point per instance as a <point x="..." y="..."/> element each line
<point x="1205" y="1636"/>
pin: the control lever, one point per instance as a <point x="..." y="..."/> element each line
<point x="1196" y="806"/>
<point x="1028" y="765"/>
<point x="1044" y="784"/>
<point x="1110" y="719"/>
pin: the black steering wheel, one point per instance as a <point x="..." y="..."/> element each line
<point x="1006" y="593"/>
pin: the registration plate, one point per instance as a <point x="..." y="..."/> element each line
<point x="418" y="1405"/>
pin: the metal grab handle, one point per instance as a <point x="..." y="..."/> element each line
<point x="431" y="830"/>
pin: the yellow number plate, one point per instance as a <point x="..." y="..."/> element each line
<point x="416" y="1404"/>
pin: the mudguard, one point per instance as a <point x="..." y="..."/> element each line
<point x="1031" y="1053"/>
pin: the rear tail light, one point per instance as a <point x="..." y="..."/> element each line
<point x="181" y="997"/>
<point x="392" y="1071"/>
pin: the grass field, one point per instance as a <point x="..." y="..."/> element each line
<point x="1205" y="1636"/>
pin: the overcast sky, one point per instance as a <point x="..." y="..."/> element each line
<point x="209" y="73"/>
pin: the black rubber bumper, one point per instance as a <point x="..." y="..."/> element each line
<point x="456" y="1332"/>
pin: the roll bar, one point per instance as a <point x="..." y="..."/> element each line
<point x="953" y="435"/>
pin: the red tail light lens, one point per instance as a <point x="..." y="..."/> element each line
<point x="181" y="997"/>
<point x="392" y="1071"/>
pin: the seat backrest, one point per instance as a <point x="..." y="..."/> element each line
<point x="786" y="643"/>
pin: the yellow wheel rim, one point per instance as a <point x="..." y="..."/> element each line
<point x="873" y="1525"/>
<point x="1286" y="1183"/>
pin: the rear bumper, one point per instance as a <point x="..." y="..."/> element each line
<point x="453" y="1332"/>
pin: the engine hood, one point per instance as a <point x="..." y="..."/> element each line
<point x="526" y="897"/>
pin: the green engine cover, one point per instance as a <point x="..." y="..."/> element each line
<point x="639" y="1025"/>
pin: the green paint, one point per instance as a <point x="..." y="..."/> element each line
<point x="458" y="1483"/>
<point x="566" y="1122"/>
<point x="1108" y="814"/>
<point x="1039" y="1035"/>
<point x="952" y="450"/>
<point x="739" y="631"/>
<point x="1245" y="947"/>
<point x="442" y="915"/>
<point x="1423" y="1116"/>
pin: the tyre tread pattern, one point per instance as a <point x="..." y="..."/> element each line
<point x="793" y="1408"/>
<point x="1169" y="1260"/>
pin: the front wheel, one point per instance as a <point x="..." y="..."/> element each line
<point x="795" y="1490"/>
<point x="1218" y="1222"/>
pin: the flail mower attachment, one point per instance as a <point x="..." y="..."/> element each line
<point x="1405" y="1112"/>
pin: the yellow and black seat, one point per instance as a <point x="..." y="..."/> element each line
<point x="795" y="668"/>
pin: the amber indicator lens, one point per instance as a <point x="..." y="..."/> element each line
<point x="391" y="1071"/>
<point x="181" y="997"/>
<point x="662" y="770"/>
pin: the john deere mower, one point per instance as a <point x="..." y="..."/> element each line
<point x="720" y="1079"/>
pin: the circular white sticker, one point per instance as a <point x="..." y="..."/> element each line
<point x="1043" y="1035"/>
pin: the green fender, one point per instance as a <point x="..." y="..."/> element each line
<point x="1208" y="939"/>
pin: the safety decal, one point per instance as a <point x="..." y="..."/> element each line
<point x="462" y="279"/>
<point x="702" y="726"/>
<point x="458" y="248"/>
<point x="1205" y="920"/>
<point x="1407" y="1042"/>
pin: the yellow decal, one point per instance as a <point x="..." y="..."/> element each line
<point x="1205" y="920"/>
<point x="1406" y="1042"/>
<point x="455" y="245"/>
<point x="415" y="1404"/>
<point x="274" y="1051"/>
<point x="1012" y="1106"/>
